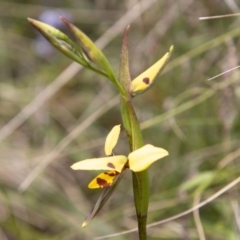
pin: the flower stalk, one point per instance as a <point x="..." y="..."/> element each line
<point x="131" y="125"/>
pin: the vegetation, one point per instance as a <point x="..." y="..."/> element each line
<point x="54" y="113"/>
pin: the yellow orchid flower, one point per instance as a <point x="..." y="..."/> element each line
<point x="145" y="80"/>
<point x="137" y="161"/>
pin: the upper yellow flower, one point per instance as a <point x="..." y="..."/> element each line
<point x="145" y="80"/>
<point x="137" y="160"/>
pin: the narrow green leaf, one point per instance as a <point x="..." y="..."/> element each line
<point x="124" y="75"/>
<point x="129" y="117"/>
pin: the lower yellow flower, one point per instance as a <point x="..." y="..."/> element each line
<point x="137" y="161"/>
<point x="103" y="180"/>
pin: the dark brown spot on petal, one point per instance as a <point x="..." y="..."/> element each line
<point x="111" y="174"/>
<point x="102" y="183"/>
<point x="111" y="165"/>
<point x="146" y="80"/>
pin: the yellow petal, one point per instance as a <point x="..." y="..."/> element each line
<point x="146" y="79"/>
<point x="112" y="139"/>
<point x="103" y="180"/>
<point x="108" y="163"/>
<point x="143" y="157"/>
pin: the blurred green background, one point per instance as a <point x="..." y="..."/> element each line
<point x="53" y="113"/>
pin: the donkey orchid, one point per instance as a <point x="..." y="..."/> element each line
<point x="137" y="161"/>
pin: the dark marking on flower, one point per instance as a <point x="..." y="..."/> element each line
<point x="111" y="165"/>
<point x="102" y="183"/>
<point x="111" y="174"/>
<point x="146" y="80"/>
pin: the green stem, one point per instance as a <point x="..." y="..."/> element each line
<point x="112" y="78"/>
<point x="141" y="193"/>
<point x="140" y="179"/>
<point x="131" y="125"/>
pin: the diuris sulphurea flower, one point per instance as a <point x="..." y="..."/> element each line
<point x="146" y="79"/>
<point x="137" y="161"/>
<point x="141" y="156"/>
